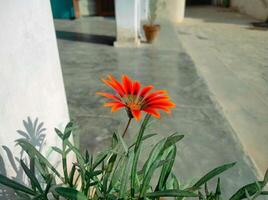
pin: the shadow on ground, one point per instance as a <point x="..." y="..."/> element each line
<point x="84" y="37"/>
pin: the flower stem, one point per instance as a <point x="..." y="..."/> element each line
<point x="128" y="123"/>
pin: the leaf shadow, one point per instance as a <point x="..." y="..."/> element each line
<point x="34" y="132"/>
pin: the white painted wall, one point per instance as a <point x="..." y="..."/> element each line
<point x="127" y="22"/>
<point x="31" y="81"/>
<point x="172" y="10"/>
<point x="255" y="8"/>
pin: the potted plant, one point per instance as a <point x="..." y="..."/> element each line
<point x="151" y="29"/>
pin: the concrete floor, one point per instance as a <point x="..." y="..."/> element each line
<point x="87" y="55"/>
<point x="234" y="64"/>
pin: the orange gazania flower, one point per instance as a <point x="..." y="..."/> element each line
<point x="130" y="95"/>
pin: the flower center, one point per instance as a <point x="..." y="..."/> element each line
<point x="132" y="102"/>
<point x="134" y="106"/>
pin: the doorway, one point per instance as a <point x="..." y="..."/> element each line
<point x="198" y="2"/>
<point x="105" y="7"/>
<point x="62" y="9"/>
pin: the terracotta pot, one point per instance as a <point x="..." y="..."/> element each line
<point x="151" y="32"/>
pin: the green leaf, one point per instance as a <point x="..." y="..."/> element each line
<point x="111" y="161"/>
<point x="218" y="190"/>
<point x="265" y="179"/>
<point x="70" y="193"/>
<point x="156" y="153"/>
<point x="59" y="133"/>
<point x="145" y="137"/>
<point x="148" y="176"/>
<point x="137" y="150"/>
<point x="125" y="175"/>
<point x="71" y="175"/>
<point x="114" y="140"/>
<point x="33" y="152"/>
<point x="123" y="143"/>
<point x="91" y="174"/>
<point x="16" y="186"/>
<point x="211" y="175"/>
<point x="31" y="176"/>
<point x="166" y="169"/>
<point x="58" y="150"/>
<point x="68" y="130"/>
<point x="251" y="188"/>
<point x="100" y="158"/>
<point x="49" y="183"/>
<point x="141" y="132"/>
<point x="264" y="193"/>
<point x="173" y="139"/>
<point x="176" y="184"/>
<point x="171" y="193"/>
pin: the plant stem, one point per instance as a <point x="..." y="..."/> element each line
<point x="128" y="123"/>
<point x="64" y="162"/>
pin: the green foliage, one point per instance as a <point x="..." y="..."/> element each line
<point x="116" y="172"/>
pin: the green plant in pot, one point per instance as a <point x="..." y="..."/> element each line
<point x="151" y="29"/>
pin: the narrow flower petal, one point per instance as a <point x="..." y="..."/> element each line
<point x="155" y="94"/>
<point x="117" y="107"/>
<point x="108" y="95"/>
<point x="152" y="112"/>
<point x="164" y="108"/>
<point x="162" y="103"/>
<point x="113" y="104"/>
<point x="136" y="88"/>
<point x="119" y="86"/>
<point x="136" y="114"/>
<point x="113" y="86"/>
<point x="127" y="83"/>
<point x="145" y="90"/>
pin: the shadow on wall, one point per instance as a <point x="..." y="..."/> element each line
<point x="84" y="37"/>
<point x="35" y="134"/>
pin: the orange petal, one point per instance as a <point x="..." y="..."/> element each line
<point x="136" y="114"/>
<point x="108" y="104"/>
<point x="117" y="107"/>
<point x="155" y="94"/>
<point x="156" y="98"/>
<point x="127" y="83"/>
<point x="161" y="103"/>
<point x="117" y="84"/>
<point x="152" y="112"/>
<point x="136" y="88"/>
<point x="145" y="90"/>
<point x="114" y="86"/>
<point x="164" y="108"/>
<point x="108" y="95"/>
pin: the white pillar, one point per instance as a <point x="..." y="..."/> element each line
<point x="31" y="81"/>
<point x="144" y="9"/>
<point x="126" y="12"/>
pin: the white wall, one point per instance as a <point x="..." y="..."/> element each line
<point x="31" y="81"/>
<point x="255" y="8"/>
<point x="172" y="10"/>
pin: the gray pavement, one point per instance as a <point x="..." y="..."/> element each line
<point x="232" y="57"/>
<point x="87" y="55"/>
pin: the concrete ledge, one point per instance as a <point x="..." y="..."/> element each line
<point x="123" y="44"/>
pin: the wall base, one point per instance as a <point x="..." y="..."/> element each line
<point x="125" y="44"/>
